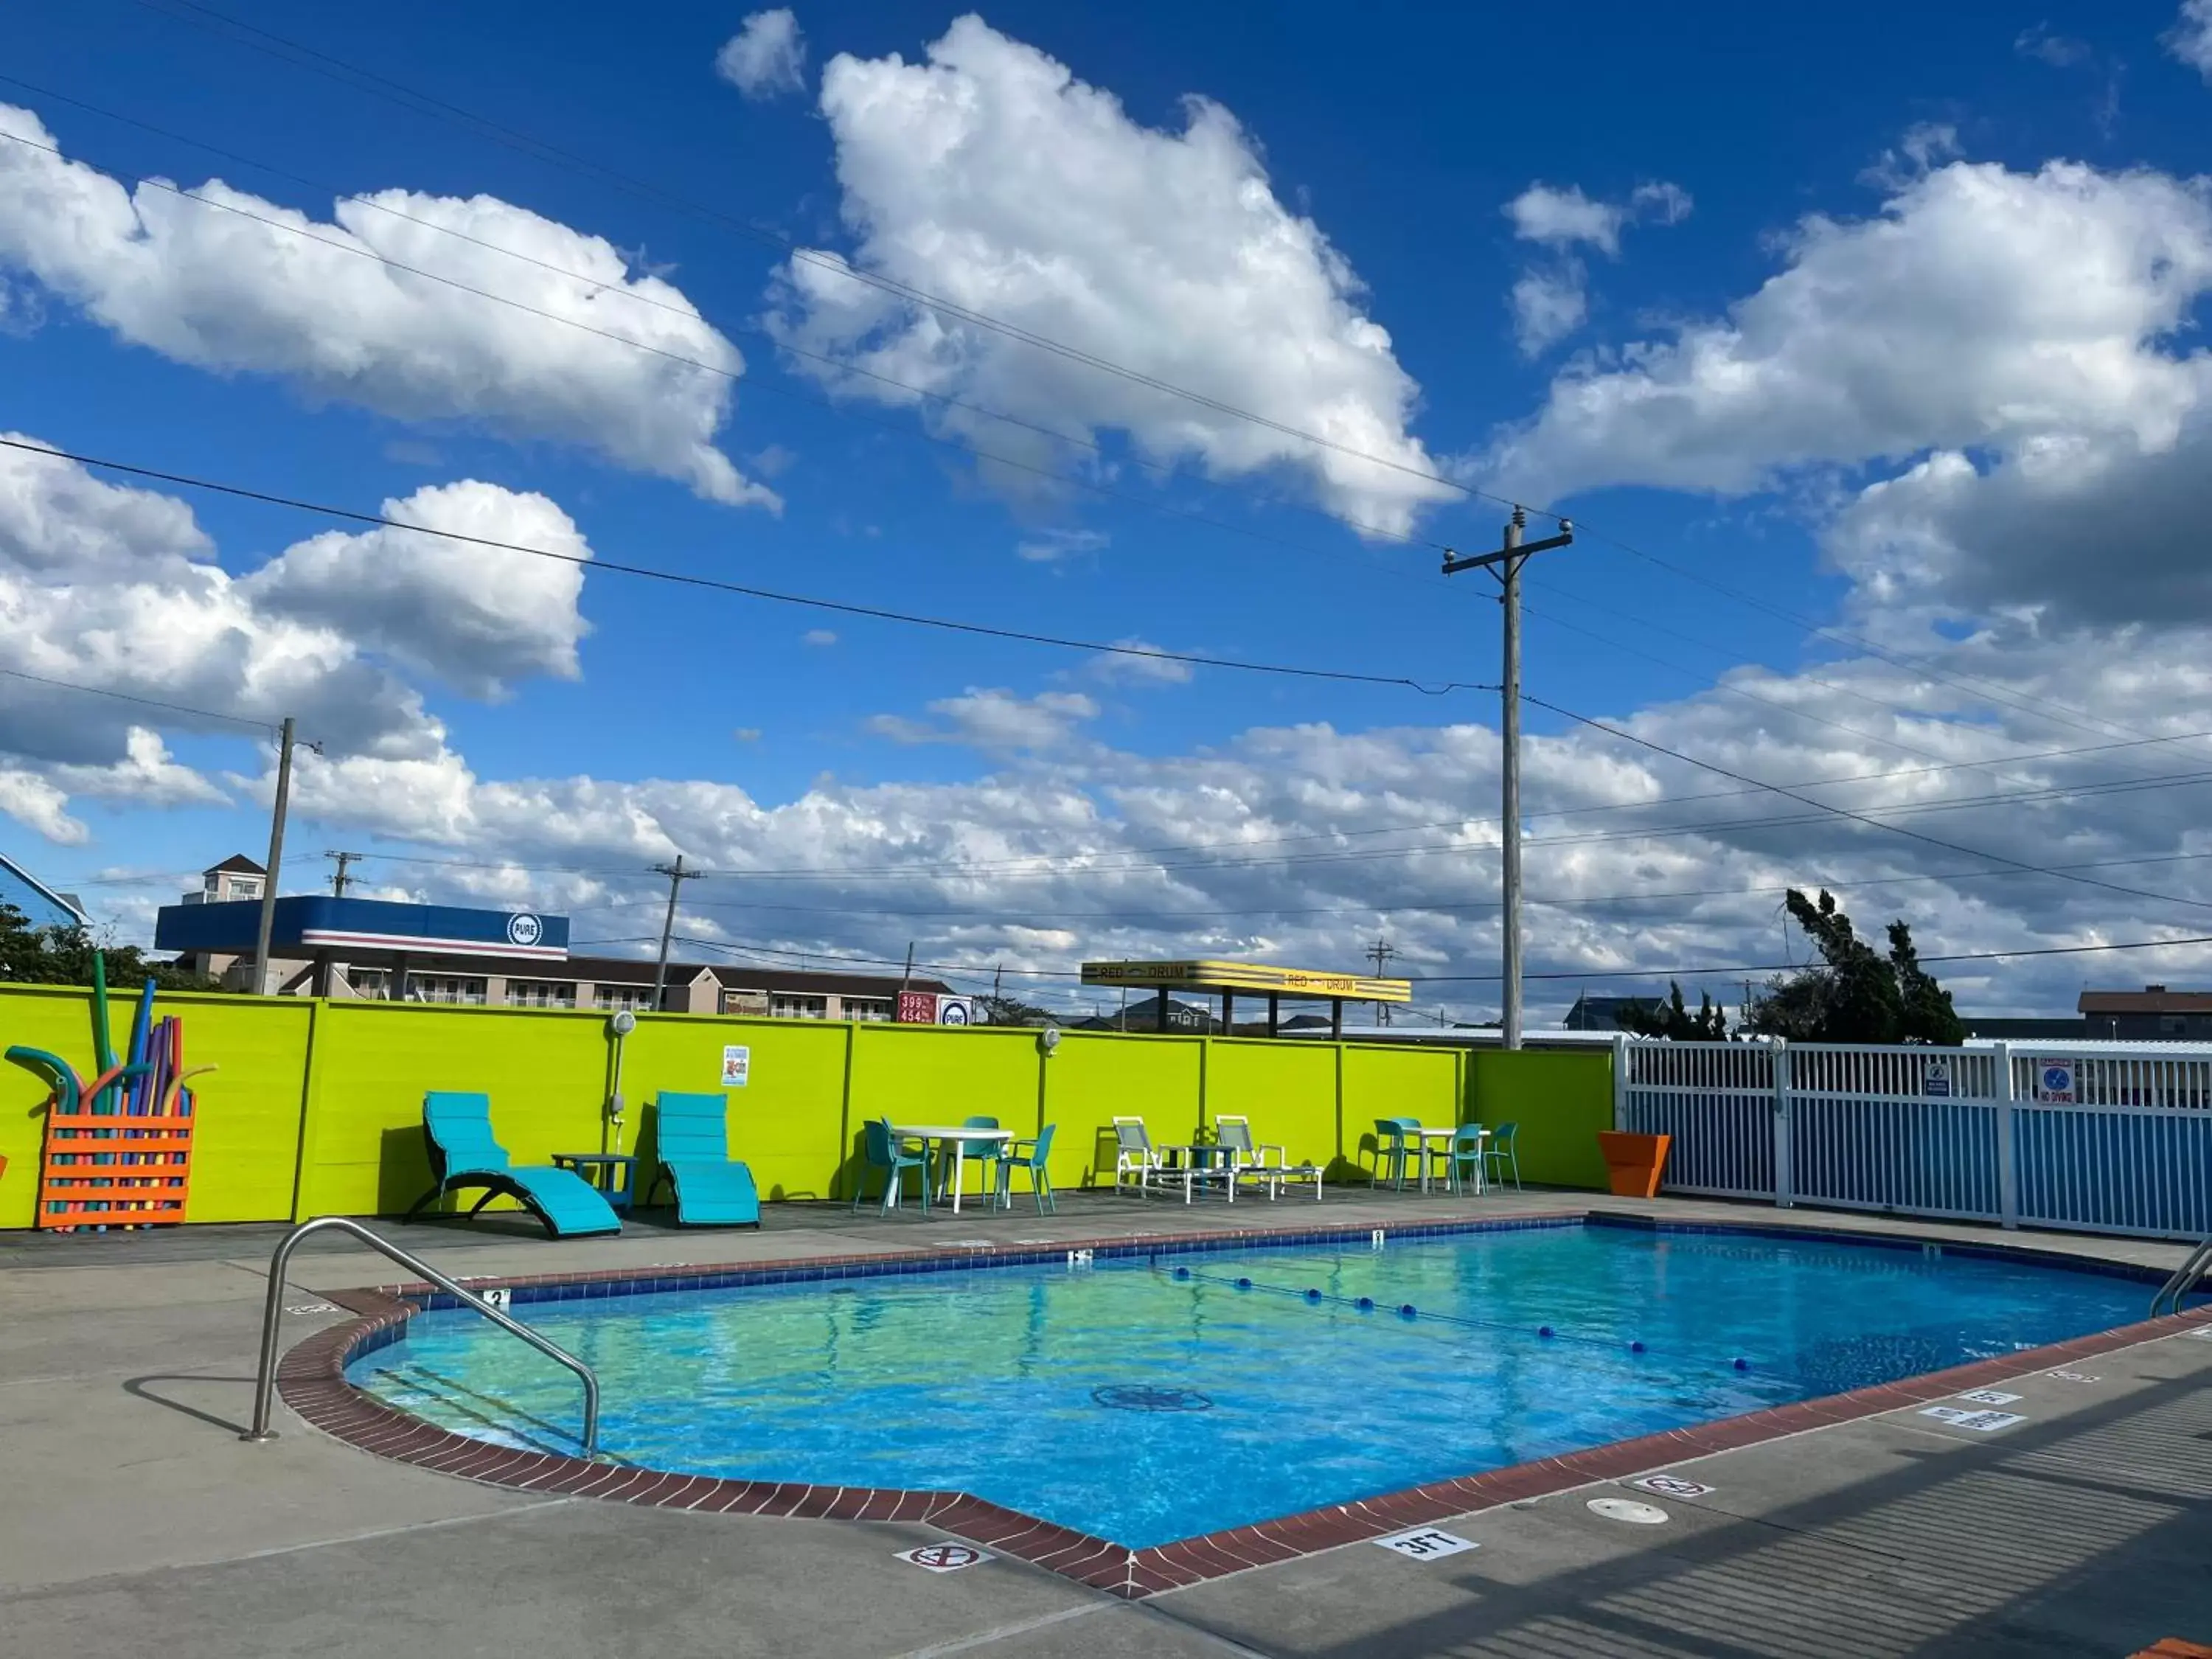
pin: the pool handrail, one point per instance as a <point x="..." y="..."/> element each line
<point x="2192" y="1269"/>
<point x="273" y="1312"/>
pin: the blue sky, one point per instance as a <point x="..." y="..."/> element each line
<point x="1800" y="315"/>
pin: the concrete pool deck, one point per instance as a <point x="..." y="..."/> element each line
<point x="137" y="1519"/>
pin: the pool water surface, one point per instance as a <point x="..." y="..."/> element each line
<point x="1145" y="1400"/>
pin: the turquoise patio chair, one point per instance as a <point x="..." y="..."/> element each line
<point x="882" y="1148"/>
<point x="1029" y="1155"/>
<point x="1503" y="1153"/>
<point x="1465" y="1157"/>
<point x="691" y="1150"/>
<point x="465" y="1154"/>
<point x="1392" y="1135"/>
<point x="985" y="1153"/>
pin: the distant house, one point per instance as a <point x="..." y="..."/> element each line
<point x="1143" y="1015"/>
<point x="40" y="905"/>
<point x="2153" y="1014"/>
<point x="2026" y="1028"/>
<point x="1592" y="1014"/>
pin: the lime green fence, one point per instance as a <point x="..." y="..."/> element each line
<point x="316" y="1109"/>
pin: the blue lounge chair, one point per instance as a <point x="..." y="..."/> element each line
<point x="691" y="1144"/>
<point x="465" y="1154"/>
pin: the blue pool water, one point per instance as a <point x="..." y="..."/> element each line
<point x="1149" y="1400"/>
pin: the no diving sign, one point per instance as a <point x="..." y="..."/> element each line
<point x="944" y="1558"/>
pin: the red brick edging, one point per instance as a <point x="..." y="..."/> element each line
<point x="311" y="1380"/>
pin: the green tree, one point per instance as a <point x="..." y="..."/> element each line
<point x="63" y="956"/>
<point x="1857" y="994"/>
<point x="1671" y="1018"/>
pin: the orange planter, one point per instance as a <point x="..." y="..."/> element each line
<point x="1634" y="1163"/>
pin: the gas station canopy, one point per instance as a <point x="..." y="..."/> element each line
<point x="1231" y="979"/>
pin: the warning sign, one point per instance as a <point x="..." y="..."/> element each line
<point x="1673" y="1486"/>
<point x="943" y="1558"/>
<point x="1426" y="1543"/>
<point x="2057" y="1081"/>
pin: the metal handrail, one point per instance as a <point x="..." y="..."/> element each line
<point x="264" y="1383"/>
<point x="2192" y="1269"/>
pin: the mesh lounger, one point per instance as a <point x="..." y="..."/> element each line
<point x="692" y="1147"/>
<point x="465" y="1154"/>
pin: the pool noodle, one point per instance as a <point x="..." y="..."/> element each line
<point x="142" y="1032"/>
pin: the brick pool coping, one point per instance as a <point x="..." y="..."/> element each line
<point x="311" y="1379"/>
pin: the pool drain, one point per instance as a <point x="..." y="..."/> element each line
<point x="1134" y="1397"/>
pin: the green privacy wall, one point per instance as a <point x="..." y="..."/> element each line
<point x="1560" y="1099"/>
<point x="248" y="1133"/>
<point x="317" y="1107"/>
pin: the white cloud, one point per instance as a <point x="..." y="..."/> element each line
<point x="39" y="805"/>
<point x="2060" y="51"/>
<point x="1120" y="668"/>
<point x="1548" y="306"/>
<point x="1561" y="218"/>
<point x="817" y="636"/>
<point x="1982" y="307"/>
<point x="1051" y="546"/>
<point x="477" y="618"/>
<point x="282" y="295"/>
<point x="2190" y="40"/>
<point x="767" y="57"/>
<point x="988" y="176"/>
<point x="996" y="721"/>
<point x="55" y="517"/>
<point x="1551" y="301"/>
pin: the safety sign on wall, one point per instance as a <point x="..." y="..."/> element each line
<point x="737" y="1066"/>
<point x="1936" y="1081"/>
<point x="1425" y="1544"/>
<point x="2055" y="1081"/>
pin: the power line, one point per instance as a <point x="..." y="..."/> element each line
<point x="381" y="86"/>
<point x="687" y="312"/>
<point x="1861" y="817"/>
<point x="125" y="696"/>
<point x="837" y="606"/>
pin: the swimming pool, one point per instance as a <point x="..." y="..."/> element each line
<point x="1148" y="1399"/>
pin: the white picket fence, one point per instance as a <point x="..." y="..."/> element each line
<point x="2094" y="1138"/>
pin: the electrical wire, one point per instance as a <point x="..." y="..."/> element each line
<point x="1861" y="817"/>
<point x="837" y="606"/>
<point x="127" y="696"/>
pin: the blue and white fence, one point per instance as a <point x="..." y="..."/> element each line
<point x="2100" y="1138"/>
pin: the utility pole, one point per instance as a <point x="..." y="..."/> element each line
<point x="678" y="875"/>
<point x="339" y="878"/>
<point x="268" y="922"/>
<point x="906" y="974"/>
<point x="1505" y="564"/>
<point x="1378" y="953"/>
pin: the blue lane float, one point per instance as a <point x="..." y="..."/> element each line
<point x="1545" y="1331"/>
<point x="1636" y="1347"/>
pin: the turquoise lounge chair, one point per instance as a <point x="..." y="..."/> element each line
<point x="465" y="1154"/>
<point x="691" y="1147"/>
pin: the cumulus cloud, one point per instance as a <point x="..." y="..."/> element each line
<point x="116" y="587"/>
<point x="767" y="57"/>
<point x="2190" y="40"/>
<point x="994" y="720"/>
<point x="1982" y="307"/>
<point x="989" y="177"/>
<point x="266" y="289"/>
<point x="1052" y="546"/>
<point x="1550" y="301"/>
<point x="1120" y="668"/>
<point x="479" y="618"/>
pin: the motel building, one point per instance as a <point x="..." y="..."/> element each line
<point x="324" y="946"/>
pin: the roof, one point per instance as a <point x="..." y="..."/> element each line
<point x="2151" y="999"/>
<point x="236" y="864"/>
<point x="738" y="977"/>
<point x="44" y="908"/>
<point x="1214" y="978"/>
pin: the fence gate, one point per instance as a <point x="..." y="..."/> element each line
<point x="2113" y="1138"/>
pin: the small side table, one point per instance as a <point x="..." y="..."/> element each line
<point x="614" y="1175"/>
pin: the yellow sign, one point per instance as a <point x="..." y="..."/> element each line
<point x="1237" y="976"/>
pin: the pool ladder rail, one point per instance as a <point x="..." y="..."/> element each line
<point x="273" y="1313"/>
<point x="2185" y="1277"/>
